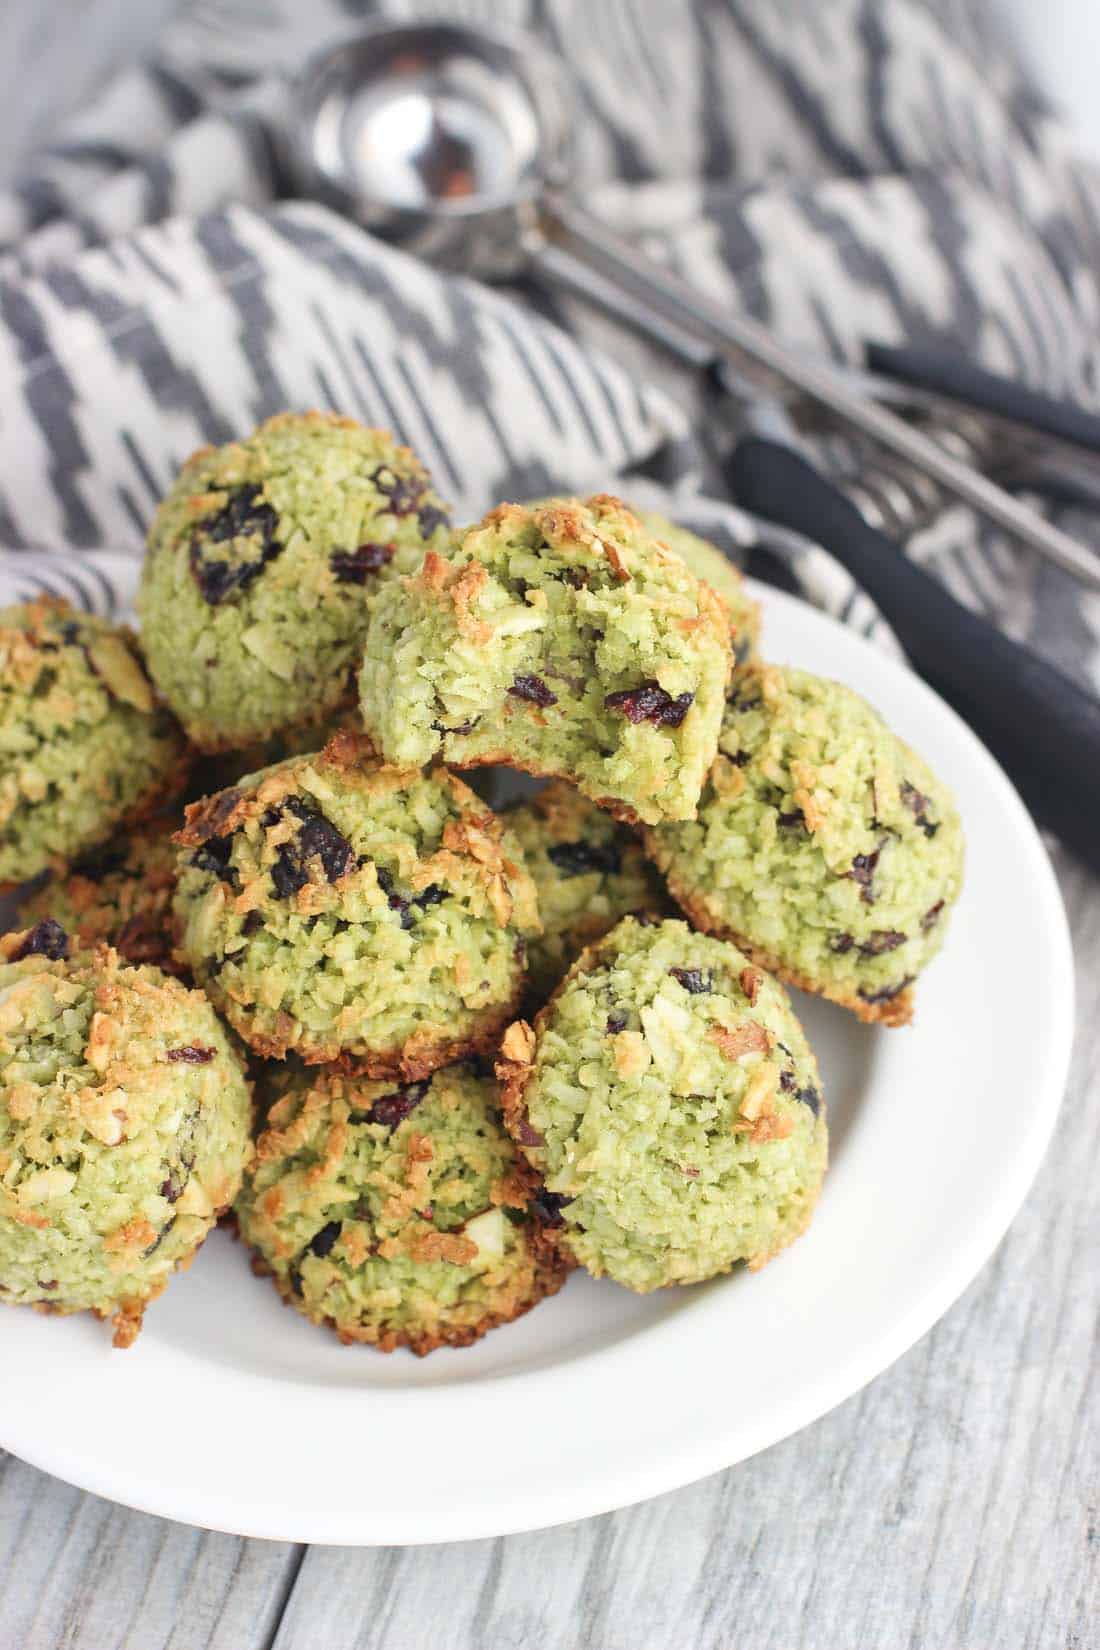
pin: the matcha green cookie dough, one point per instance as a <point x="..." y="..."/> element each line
<point x="338" y="908"/>
<point x="588" y="871"/>
<point x="83" y="744"/>
<point x="120" y="895"/>
<point x="262" y="561"/>
<point x="709" y="564"/>
<point x="398" y="1217"/>
<point x="562" y="640"/>
<point x="670" y="1102"/>
<point x="124" y="1128"/>
<point x="824" y="846"/>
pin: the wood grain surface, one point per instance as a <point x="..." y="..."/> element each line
<point x="952" y="1505"/>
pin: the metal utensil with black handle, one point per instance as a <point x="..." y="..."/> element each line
<point x="1043" y="728"/>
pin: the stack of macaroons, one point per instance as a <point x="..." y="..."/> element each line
<point x="366" y="931"/>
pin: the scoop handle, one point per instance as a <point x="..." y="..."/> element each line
<point x="1042" y="727"/>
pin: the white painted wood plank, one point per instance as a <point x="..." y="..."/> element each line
<point x="81" y="1574"/>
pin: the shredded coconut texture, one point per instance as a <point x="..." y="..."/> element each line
<point x="668" y="1098"/>
<point x="333" y="906"/>
<point x="83" y="744"/>
<point x="588" y="869"/>
<point x="124" y="1129"/>
<point x="262" y="563"/>
<point x="823" y="844"/>
<point x="563" y="640"/>
<point x="395" y="1217"/>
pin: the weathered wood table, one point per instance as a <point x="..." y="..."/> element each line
<point x="952" y="1505"/>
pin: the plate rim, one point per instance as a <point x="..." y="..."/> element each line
<point x="649" y="1475"/>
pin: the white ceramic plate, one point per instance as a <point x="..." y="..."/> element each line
<point x="233" y="1412"/>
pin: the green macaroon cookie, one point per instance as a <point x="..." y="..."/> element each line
<point x="119" y="895"/>
<point x="262" y="562"/>
<point x="671" y="1104"/>
<point x="124" y="1128"/>
<point x="588" y="870"/>
<point x="708" y="563"/>
<point x="824" y="846"/>
<point x="562" y="640"/>
<point x="397" y="1217"/>
<point x="335" y="907"/>
<point x="84" y="747"/>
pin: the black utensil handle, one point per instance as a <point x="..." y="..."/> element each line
<point x="1042" y="727"/>
<point x="952" y="375"/>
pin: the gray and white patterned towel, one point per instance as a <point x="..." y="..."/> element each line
<point x="845" y="169"/>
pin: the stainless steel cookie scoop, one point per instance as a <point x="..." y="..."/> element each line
<point x="455" y="143"/>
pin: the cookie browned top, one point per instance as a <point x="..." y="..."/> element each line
<point x="338" y="906"/>
<point x="563" y="640"/>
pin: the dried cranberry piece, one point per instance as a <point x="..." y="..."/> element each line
<point x="353" y="566"/>
<point x="615" y="1023"/>
<point x="48" y="1284"/>
<point x="430" y="517"/>
<point x="918" y="805"/>
<point x="932" y="916"/>
<point x="317" y="837"/>
<point x="650" y="703"/>
<point x="841" y="943"/>
<point x="402" y="493"/>
<point x="247" y="517"/>
<point x="432" y="895"/>
<point x="888" y="992"/>
<point x="252" y="923"/>
<point x="392" y="1109"/>
<point x="191" y="1054"/>
<point x="808" y="1095"/>
<point x="172" y="1189"/>
<point x="547" y="1206"/>
<point x="693" y="980"/>
<point x="288" y="874"/>
<point x="863" y="871"/>
<point x="574" y="859"/>
<point x="213" y="856"/>
<point x="790" y="819"/>
<point x="394" y="900"/>
<point x="534" y="689"/>
<point x="881" y="941"/>
<point x="46" y="939"/>
<point x="324" y="1241"/>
